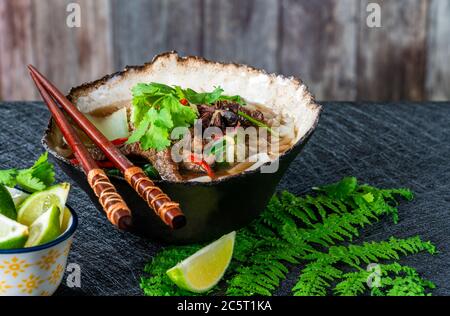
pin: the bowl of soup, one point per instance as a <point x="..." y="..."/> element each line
<point x="242" y="129"/>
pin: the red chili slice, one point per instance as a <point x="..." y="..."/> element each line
<point x="119" y="141"/>
<point x="202" y="163"/>
<point x="184" y="101"/>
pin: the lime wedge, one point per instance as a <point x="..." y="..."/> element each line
<point x="7" y="206"/>
<point x="12" y="234"/>
<point x="204" y="269"/>
<point x="67" y="215"/>
<point x="40" y="202"/>
<point x="18" y="196"/>
<point x="45" y="228"/>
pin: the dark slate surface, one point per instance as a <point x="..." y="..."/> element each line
<point x="389" y="145"/>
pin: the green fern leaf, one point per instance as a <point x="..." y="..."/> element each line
<point x="295" y="230"/>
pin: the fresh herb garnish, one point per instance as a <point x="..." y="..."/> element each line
<point x="40" y="176"/>
<point x="306" y="230"/>
<point x="8" y="177"/>
<point x="208" y="97"/>
<point x="150" y="171"/>
<point x="256" y="122"/>
<point x="113" y="172"/>
<point x="157" y="110"/>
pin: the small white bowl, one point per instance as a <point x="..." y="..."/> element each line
<point x="36" y="271"/>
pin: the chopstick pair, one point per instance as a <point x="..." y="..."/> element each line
<point x="115" y="207"/>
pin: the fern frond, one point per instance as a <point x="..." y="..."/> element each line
<point x="333" y="228"/>
<point x="352" y="284"/>
<point x="294" y="229"/>
<point x="157" y="283"/>
<point x="370" y="252"/>
<point x="393" y="280"/>
<point x="353" y="255"/>
<point x="316" y="279"/>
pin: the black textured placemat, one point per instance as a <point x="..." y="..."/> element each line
<point x="387" y="145"/>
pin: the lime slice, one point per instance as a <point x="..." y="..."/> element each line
<point x="12" y="234"/>
<point x="7" y="206"/>
<point x="204" y="269"/>
<point x="40" y="202"/>
<point x="67" y="215"/>
<point x="45" y="228"/>
<point x="18" y="196"/>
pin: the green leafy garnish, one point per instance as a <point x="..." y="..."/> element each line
<point x="209" y="97"/>
<point x="148" y="168"/>
<point x="256" y="122"/>
<point x="29" y="183"/>
<point x="40" y="176"/>
<point x="113" y="172"/>
<point x="157" y="111"/>
<point x="8" y="177"/>
<point x="150" y="171"/>
<point x="307" y="231"/>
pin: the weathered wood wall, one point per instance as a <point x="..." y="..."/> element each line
<point x="325" y="42"/>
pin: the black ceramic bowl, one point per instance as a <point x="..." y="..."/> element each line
<point x="211" y="209"/>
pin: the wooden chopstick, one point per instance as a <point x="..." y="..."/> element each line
<point x="116" y="209"/>
<point x="164" y="207"/>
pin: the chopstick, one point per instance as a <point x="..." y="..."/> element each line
<point x="164" y="207"/>
<point x="115" y="208"/>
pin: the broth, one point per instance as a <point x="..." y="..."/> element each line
<point x="274" y="120"/>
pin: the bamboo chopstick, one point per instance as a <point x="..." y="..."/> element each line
<point x="116" y="209"/>
<point x="165" y="208"/>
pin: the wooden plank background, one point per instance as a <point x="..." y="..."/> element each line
<point x="327" y="43"/>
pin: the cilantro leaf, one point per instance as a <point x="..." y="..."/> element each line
<point x="140" y="131"/>
<point x="156" y="137"/>
<point x="154" y="122"/>
<point x="203" y="98"/>
<point x="8" y="177"/>
<point x="210" y="97"/>
<point x="157" y="110"/>
<point x="43" y="170"/>
<point x="30" y="183"/>
<point x="234" y="98"/>
<point x="161" y="118"/>
<point x="182" y="116"/>
<point x="36" y="178"/>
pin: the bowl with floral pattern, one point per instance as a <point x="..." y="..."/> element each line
<point x="39" y="270"/>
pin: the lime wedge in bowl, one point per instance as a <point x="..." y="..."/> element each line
<point x="204" y="269"/>
<point x="7" y="206"/>
<point x="66" y="217"/>
<point x="40" y="202"/>
<point x="45" y="228"/>
<point x="12" y="234"/>
<point x="18" y="196"/>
